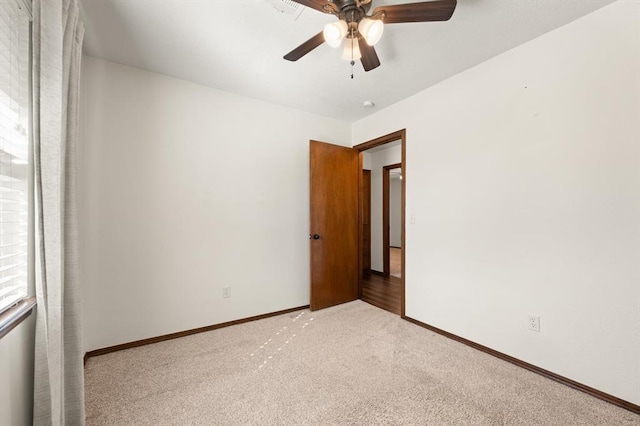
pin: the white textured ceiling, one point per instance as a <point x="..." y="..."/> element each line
<point x="238" y="45"/>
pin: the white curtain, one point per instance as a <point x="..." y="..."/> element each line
<point x="57" y="51"/>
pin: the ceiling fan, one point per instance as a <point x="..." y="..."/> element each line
<point x="359" y="32"/>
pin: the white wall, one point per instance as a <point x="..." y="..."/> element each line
<point x="184" y="190"/>
<point x="366" y="160"/>
<point x="379" y="159"/>
<point x="395" y="212"/>
<point x="523" y="174"/>
<point x="16" y="374"/>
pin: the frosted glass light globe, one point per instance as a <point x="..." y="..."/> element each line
<point x="334" y="32"/>
<point x="371" y="30"/>
<point x="351" y="44"/>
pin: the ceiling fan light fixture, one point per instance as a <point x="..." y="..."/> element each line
<point x="371" y="30"/>
<point x="351" y="51"/>
<point x="361" y="31"/>
<point x="334" y="32"/>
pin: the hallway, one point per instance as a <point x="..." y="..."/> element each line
<point x="395" y="262"/>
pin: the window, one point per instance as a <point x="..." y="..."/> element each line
<point x="14" y="150"/>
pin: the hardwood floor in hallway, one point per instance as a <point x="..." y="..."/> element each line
<point x="383" y="292"/>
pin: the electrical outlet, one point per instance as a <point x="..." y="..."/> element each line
<point x="226" y="292"/>
<point x="534" y="323"/>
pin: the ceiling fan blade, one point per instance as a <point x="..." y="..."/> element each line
<point x="315" y="4"/>
<point x="369" y="56"/>
<point x="305" y="47"/>
<point x="439" y="10"/>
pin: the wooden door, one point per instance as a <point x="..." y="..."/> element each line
<point x="333" y="224"/>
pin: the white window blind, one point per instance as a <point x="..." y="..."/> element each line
<point x="14" y="150"/>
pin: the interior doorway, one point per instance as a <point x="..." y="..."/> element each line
<point x="391" y="219"/>
<point x="382" y="227"/>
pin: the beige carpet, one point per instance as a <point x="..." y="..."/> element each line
<point x="353" y="364"/>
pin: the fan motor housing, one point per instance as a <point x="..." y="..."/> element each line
<point x="345" y="6"/>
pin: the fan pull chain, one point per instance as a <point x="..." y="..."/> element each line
<point x="352" y="61"/>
